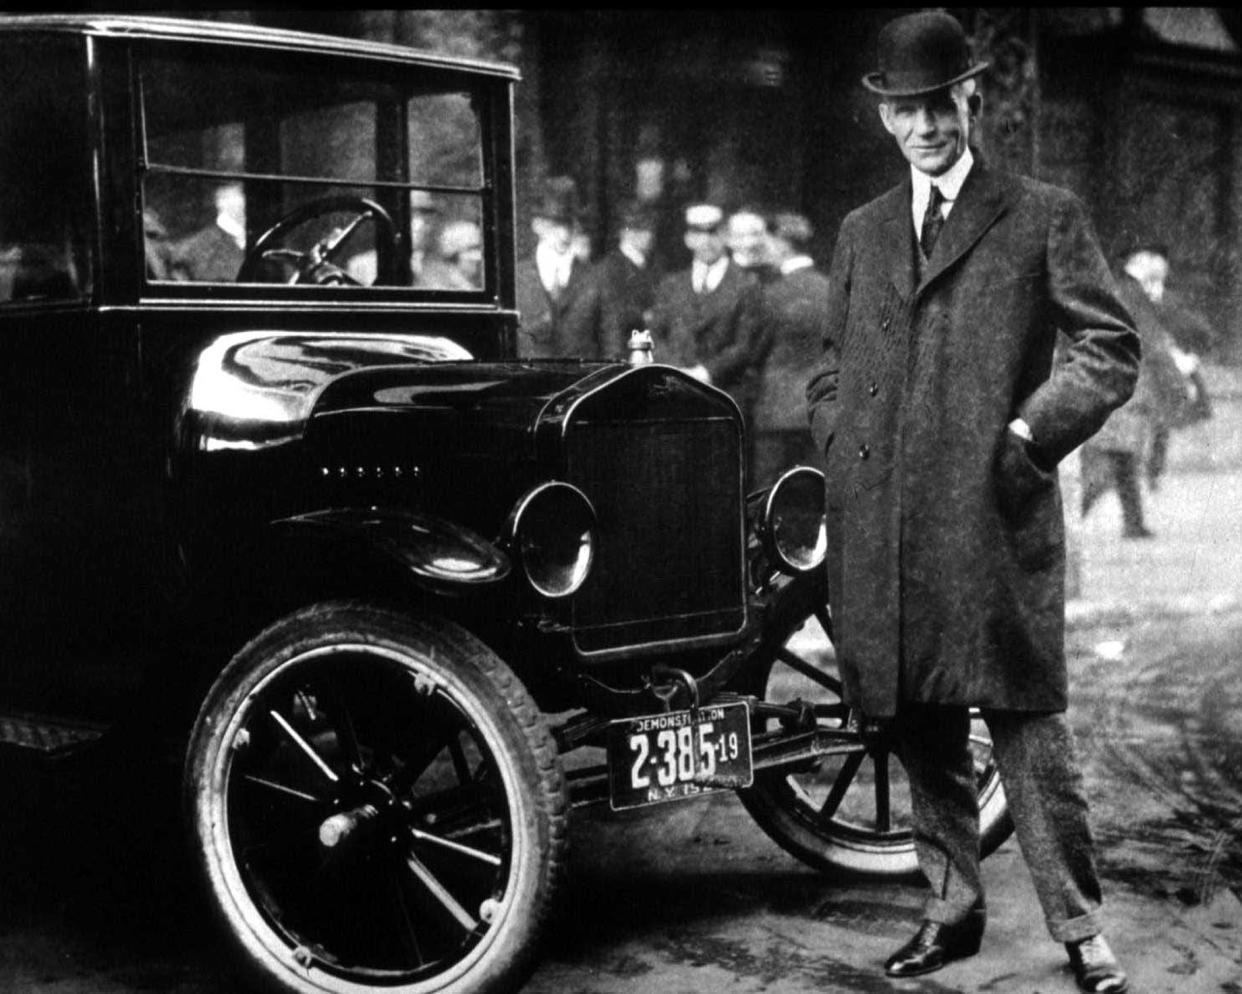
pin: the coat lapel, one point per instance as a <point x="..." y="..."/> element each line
<point x="982" y="201"/>
<point x="897" y="239"/>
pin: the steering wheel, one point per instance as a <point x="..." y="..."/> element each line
<point x="317" y="264"/>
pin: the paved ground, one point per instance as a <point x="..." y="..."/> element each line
<point x="694" y="898"/>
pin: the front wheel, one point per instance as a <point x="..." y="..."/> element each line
<point x="841" y="813"/>
<point x="375" y="803"/>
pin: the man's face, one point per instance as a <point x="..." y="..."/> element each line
<point x="748" y="239"/>
<point x="1151" y="270"/>
<point x="639" y="238"/>
<point x="421" y="221"/>
<point x="557" y="233"/>
<point x="931" y="130"/>
<point x="706" y="246"/>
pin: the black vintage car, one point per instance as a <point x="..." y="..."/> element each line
<point x="274" y="486"/>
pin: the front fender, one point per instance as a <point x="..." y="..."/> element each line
<point x="441" y="556"/>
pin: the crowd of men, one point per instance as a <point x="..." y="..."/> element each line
<point x="746" y="315"/>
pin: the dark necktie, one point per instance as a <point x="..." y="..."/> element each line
<point x="933" y="221"/>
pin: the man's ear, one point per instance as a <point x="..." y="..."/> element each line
<point x="886" y="116"/>
<point x="975" y="103"/>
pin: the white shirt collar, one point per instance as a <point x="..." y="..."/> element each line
<point x="794" y="263"/>
<point x="631" y="253"/>
<point x="232" y="228"/>
<point x="711" y="275"/>
<point x="950" y="184"/>
<point x="554" y="267"/>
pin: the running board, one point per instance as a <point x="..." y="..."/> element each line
<point x="49" y="736"/>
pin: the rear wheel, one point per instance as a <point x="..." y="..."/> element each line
<point x="847" y="812"/>
<point x="375" y="803"/>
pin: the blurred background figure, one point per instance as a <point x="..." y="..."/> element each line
<point x="795" y="314"/>
<point x="1113" y="456"/>
<point x="1189" y="335"/>
<point x="749" y="241"/>
<point x="215" y="253"/>
<point x="459" y="265"/>
<point x="553" y="289"/>
<point x="424" y="215"/>
<point x="582" y="246"/>
<point x="156" y="246"/>
<point x="706" y="319"/>
<point x="625" y="283"/>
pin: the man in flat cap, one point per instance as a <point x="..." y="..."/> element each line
<point x="942" y="417"/>
<point x="706" y="319"/>
<point x="553" y="291"/>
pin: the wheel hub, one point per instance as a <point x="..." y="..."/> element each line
<point x="376" y="806"/>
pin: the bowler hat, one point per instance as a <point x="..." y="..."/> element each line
<point x="559" y="200"/>
<point x="919" y="54"/>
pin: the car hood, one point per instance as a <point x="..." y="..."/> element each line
<point x="255" y="389"/>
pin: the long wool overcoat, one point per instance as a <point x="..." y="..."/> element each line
<point x="946" y="539"/>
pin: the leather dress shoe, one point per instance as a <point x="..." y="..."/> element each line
<point x="1095" y="967"/>
<point x="935" y="944"/>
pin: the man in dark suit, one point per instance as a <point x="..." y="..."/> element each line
<point x="555" y="295"/>
<point x="626" y="286"/>
<point x="795" y="307"/>
<point x="942" y="417"/>
<point x="215" y="253"/>
<point x="706" y="319"/>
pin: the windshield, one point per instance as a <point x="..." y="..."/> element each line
<point x="308" y="174"/>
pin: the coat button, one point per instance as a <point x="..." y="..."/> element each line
<point x="885" y="324"/>
<point x="864" y="451"/>
<point x="873" y="389"/>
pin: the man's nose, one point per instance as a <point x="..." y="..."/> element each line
<point x="924" y="120"/>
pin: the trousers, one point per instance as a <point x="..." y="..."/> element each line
<point x="1034" y="752"/>
<point x="1120" y="470"/>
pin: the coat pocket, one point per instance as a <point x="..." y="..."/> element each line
<point x="1026" y="496"/>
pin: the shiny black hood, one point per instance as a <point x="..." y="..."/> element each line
<point x="257" y="389"/>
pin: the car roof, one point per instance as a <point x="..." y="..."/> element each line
<point x="221" y="32"/>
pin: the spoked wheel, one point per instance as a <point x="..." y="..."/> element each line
<point x="375" y="803"/>
<point x="847" y="812"/>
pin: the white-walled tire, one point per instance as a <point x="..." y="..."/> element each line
<point x="375" y="803"/>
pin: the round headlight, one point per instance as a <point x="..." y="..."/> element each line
<point x="793" y="521"/>
<point x="552" y="531"/>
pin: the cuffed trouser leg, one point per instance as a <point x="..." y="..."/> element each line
<point x="934" y="744"/>
<point x="1043" y="786"/>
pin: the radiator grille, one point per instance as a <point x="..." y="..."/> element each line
<point x="669" y="562"/>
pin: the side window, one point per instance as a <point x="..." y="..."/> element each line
<point x="298" y="153"/>
<point x="44" y="170"/>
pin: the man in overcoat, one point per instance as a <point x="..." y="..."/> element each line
<point x="942" y="417"/>
<point x="795" y="307"/>
<point x="626" y="284"/>
<point x="554" y="290"/>
<point x="706" y="319"/>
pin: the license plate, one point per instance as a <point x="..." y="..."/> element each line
<point x="665" y="757"/>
